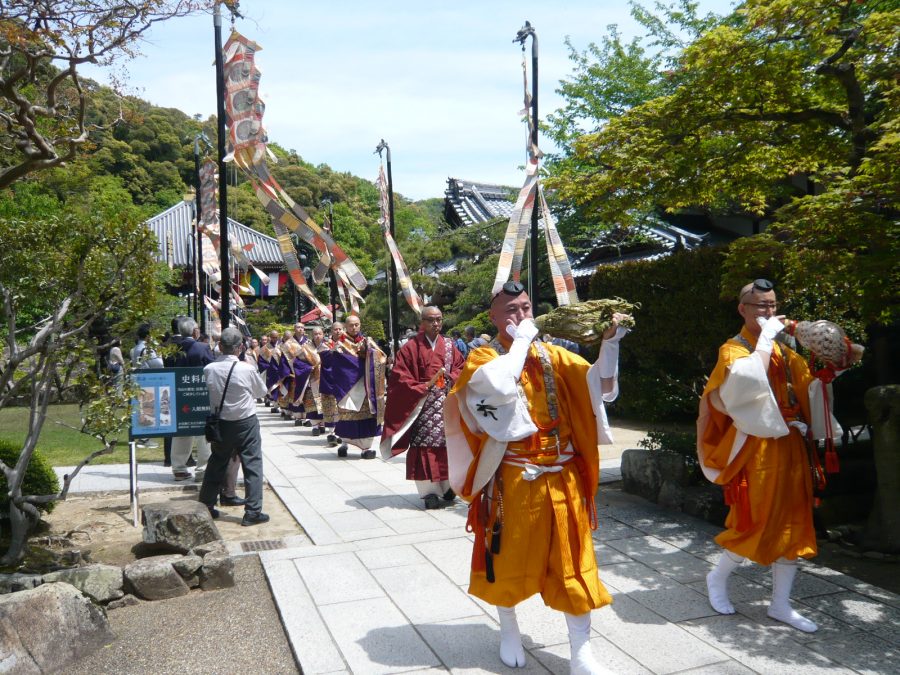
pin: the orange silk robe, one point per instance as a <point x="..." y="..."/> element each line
<point x="778" y="478"/>
<point x="546" y="546"/>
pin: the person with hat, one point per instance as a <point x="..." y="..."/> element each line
<point x="523" y="426"/>
<point x="426" y="368"/>
<point x="751" y="439"/>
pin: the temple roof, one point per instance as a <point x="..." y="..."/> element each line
<point x="468" y="203"/>
<point x="174" y="228"/>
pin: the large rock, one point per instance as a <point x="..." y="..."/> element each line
<point x="10" y="583"/>
<point x="101" y="583"/>
<point x="44" y="629"/>
<point x="178" y="525"/>
<point x="155" y="578"/>
<point x="883" y="529"/>
<point x="217" y="571"/>
<point x="645" y="471"/>
<point x="203" y="550"/>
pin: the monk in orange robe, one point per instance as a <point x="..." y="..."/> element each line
<point x="751" y="439"/>
<point x="523" y="424"/>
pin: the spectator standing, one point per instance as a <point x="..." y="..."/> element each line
<point x="459" y="343"/>
<point x="115" y="363"/>
<point x="239" y="427"/>
<point x="193" y="354"/>
<point x="472" y="340"/>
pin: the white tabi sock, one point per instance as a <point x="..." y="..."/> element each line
<point x="780" y="609"/>
<point x="717" y="582"/>
<point x="512" y="653"/>
<point x="582" y="661"/>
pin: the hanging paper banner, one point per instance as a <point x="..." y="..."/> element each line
<point x="517" y="232"/>
<point x="403" y="278"/>
<point x="247" y="139"/>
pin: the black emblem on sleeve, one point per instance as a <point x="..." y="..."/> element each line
<point x="486" y="409"/>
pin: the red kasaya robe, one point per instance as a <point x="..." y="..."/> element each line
<point x="408" y="389"/>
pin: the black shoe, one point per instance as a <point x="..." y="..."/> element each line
<point x="167" y="463"/>
<point x="275" y="409"/>
<point x="268" y="403"/>
<point x="299" y="423"/>
<point x="254" y="519"/>
<point x="368" y="454"/>
<point x="449" y="496"/>
<point x="231" y="501"/>
<point x="317" y="431"/>
<point x="432" y="502"/>
<point x="213" y="512"/>
<point x="306" y="423"/>
<point x="191" y="462"/>
<point x="342" y="450"/>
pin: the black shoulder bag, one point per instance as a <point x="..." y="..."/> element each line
<point x="212" y="431"/>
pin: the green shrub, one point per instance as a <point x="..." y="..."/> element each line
<point x="666" y="359"/>
<point x="40" y="478"/>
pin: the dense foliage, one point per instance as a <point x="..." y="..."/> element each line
<point x="40" y="478"/>
<point x="784" y="111"/>
<point x="681" y="324"/>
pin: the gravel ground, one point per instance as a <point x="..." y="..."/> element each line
<point x="236" y="630"/>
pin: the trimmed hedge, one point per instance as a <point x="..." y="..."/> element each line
<point x="40" y="478"/>
<point x="682" y="322"/>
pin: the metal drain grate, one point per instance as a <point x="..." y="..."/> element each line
<point x="262" y="545"/>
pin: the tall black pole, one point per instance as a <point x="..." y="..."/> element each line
<point x="392" y="292"/>
<point x="332" y="278"/>
<point x="225" y="294"/>
<point x="524" y="32"/>
<point x="199" y="308"/>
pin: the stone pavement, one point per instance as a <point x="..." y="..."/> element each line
<point x="381" y="585"/>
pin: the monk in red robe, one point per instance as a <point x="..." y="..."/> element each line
<point x="426" y="367"/>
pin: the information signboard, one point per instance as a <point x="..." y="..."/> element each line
<point x="172" y="402"/>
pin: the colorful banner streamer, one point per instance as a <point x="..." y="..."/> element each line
<point x="247" y="138"/>
<point x="403" y="278"/>
<point x="517" y="231"/>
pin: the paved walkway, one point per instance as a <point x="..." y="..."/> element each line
<point x="381" y="585"/>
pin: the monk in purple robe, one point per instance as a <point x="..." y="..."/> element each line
<point x="357" y="376"/>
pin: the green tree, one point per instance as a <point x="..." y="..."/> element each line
<point x="786" y="111"/>
<point x="79" y="268"/>
<point x="43" y="103"/>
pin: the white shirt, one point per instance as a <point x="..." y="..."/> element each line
<point x="137" y="351"/>
<point x="245" y="387"/>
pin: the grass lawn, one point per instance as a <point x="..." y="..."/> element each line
<point x="63" y="446"/>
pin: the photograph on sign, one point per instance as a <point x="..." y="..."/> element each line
<point x="153" y="413"/>
<point x="170" y="402"/>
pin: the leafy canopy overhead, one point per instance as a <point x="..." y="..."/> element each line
<point x="785" y="110"/>
<point x="43" y="103"/>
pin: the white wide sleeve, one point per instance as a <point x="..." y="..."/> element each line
<point x="493" y="400"/>
<point x="818" y="409"/>
<point x="749" y="400"/>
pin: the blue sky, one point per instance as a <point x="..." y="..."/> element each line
<point x="440" y="82"/>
